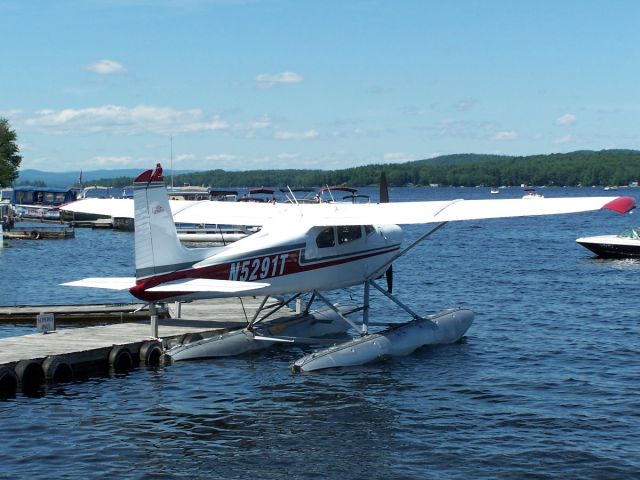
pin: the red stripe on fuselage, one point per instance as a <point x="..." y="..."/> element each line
<point x="256" y="270"/>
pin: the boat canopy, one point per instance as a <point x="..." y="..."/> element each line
<point x="339" y="188"/>
<point x="28" y="195"/>
<point x="223" y="195"/>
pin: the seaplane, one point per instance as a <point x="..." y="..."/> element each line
<point x="304" y="251"/>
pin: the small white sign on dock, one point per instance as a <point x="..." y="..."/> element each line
<point x="45" y="322"/>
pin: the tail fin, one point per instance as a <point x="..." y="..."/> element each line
<point x="157" y="247"/>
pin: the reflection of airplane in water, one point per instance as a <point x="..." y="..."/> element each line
<point x="305" y="249"/>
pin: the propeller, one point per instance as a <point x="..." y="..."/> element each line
<point x="384" y="198"/>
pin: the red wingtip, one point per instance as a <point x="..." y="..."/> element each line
<point x="621" y="204"/>
<point x="144" y="177"/>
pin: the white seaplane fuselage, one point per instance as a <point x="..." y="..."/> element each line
<point x="292" y="258"/>
<point x="301" y="250"/>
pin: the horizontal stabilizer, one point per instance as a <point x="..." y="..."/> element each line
<point x="111" y="283"/>
<point x="207" y="285"/>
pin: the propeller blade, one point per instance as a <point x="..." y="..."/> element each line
<point x="384" y="189"/>
<point x="389" y="275"/>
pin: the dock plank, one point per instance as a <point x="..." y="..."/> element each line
<point x="204" y="317"/>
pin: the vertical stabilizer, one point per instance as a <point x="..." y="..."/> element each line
<point x="158" y="249"/>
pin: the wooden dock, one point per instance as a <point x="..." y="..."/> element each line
<point x="28" y="361"/>
<point x="88" y="314"/>
<point x="39" y="233"/>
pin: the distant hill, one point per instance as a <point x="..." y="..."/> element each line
<point x="66" y="179"/>
<point x="455" y="159"/>
<point x="584" y="167"/>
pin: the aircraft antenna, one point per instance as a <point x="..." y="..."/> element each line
<point x="292" y="195"/>
<point x="171" y="139"/>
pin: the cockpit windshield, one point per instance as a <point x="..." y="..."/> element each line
<point x="633" y="233"/>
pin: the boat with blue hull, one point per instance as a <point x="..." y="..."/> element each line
<point x="41" y="203"/>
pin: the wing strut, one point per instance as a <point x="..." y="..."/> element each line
<point x="333" y="307"/>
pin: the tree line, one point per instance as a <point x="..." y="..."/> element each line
<point x="605" y="167"/>
<point x="9" y="154"/>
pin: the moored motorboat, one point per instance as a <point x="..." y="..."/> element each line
<point x="531" y="193"/>
<point x="622" y="245"/>
<point x="41" y="203"/>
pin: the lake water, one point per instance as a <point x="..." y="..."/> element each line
<point x="546" y="383"/>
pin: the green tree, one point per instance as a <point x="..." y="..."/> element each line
<point x="9" y="157"/>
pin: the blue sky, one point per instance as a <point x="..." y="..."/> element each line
<point x="327" y="84"/>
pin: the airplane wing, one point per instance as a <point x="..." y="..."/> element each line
<point x="110" y="283"/>
<point x="327" y="214"/>
<point x="399" y="213"/>
<point x="404" y="213"/>
<point x="208" y="285"/>
<point x="117" y="207"/>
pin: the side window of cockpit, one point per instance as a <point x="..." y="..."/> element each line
<point x="349" y="233"/>
<point x="368" y="230"/>
<point x="326" y="238"/>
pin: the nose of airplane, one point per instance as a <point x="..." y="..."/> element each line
<point x="393" y="233"/>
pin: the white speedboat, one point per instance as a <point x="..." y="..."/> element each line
<point x="623" y="245"/>
<point x="531" y="193"/>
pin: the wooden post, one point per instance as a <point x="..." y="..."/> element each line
<point x="154" y="320"/>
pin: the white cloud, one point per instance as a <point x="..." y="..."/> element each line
<point x="297" y="135"/>
<point x="464" y="105"/>
<point x="10" y="113"/>
<point x="505" y="136"/>
<point x="267" y="80"/>
<point x="566" y="119"/>
<point x="220" y="157"/>
<point x="124" y="120"/>
<point x="459" y="129"/>
<point x="260" y="123"/>
<point x="185" y="157"/>
<point x="565" y="139"/>
<point x="398" y="157"/>
<point x="287" y="156"/>
<point x="106" y="67"/>
<point x="106" y="161"/>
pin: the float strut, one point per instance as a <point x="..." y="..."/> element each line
<point x="333" y="307"/>
<point x="396" y="301"/>
<point x="365" y="311"/>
